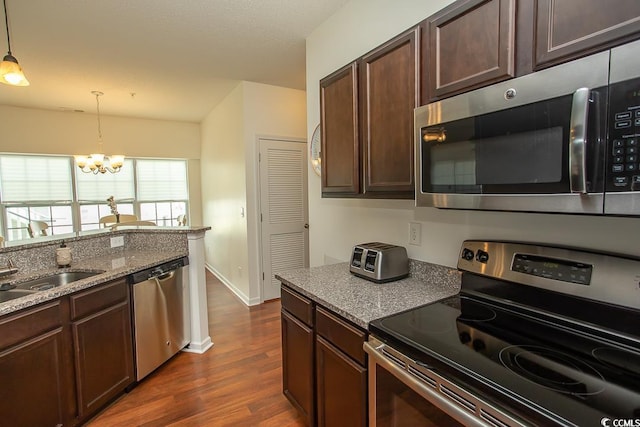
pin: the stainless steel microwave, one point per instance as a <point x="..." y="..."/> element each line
<point x="564" y="139"/>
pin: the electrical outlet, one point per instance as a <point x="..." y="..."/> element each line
<point x="415" y="233"/>
<point x="117" y="241"/>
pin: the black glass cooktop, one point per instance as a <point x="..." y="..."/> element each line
<point x="525" y="360"/>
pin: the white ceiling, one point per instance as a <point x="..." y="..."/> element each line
<point x="178" y="57"/>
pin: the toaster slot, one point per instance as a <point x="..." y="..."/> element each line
<point x="370" y="260"/>
<point x="356" y="259"/>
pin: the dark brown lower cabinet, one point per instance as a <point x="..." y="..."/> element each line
<point x="102" y="345"/>
<point x="36" y="382"/>
<point x="324" y="371"/>
<point x="342" y="388"/>
<point x="297" y="365"/>
<point x="87" y="334"/>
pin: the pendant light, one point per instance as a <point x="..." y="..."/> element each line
<point x="98" y="162"/>
<point x="10" y="71"/>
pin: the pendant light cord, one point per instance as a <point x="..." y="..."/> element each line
<point x="6" y="24"/>
<point x="99" y="124"/>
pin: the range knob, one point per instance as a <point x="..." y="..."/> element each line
<point x="482" y="256"/>
<point x="478" y="345"/>
<point x="467" y="254"/>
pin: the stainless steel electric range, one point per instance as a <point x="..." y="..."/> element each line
<point x="537" y="336"/>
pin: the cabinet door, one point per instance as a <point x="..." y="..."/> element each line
<point x="339" y="132"/>
<point x="470" y="44"/>
<point x="297" y="365"/>
<point x="342" y="388"/>
<point x="568" y="29"/>
<point x="390" y="89"/>
<point x="35" y="382"/>
<point x="103" y="353"/>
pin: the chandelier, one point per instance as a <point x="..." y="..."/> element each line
<point x="97" y="162"/>
<point x="10" y="71"/>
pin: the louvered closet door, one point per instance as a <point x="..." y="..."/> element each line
<point x="283" y="204"/>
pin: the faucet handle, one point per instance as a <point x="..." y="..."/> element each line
<point x="9" y="269"/>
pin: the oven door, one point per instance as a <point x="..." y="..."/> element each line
<point x="535" y="143"/>
<point x="404" y="393"/>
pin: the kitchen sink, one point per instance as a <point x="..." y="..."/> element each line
<point x="13" y="294"/>
<point x="53" y="281"/>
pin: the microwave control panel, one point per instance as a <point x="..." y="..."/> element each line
<point x="623" y="166"/>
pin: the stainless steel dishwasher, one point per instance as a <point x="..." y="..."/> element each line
<point x="160" y="306"/>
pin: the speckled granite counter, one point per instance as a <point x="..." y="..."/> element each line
<point x="114" y="266"/>
<point x="362" y="301"/>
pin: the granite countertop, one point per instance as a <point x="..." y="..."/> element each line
<point x="90" y="234"/>
<point x="113" y="266"/>
<point x="362" y="301"/>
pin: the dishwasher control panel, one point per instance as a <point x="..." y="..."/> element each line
<point x="159" y="270"/>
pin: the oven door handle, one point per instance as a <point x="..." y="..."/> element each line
<point x="578" y="141"/>
<point x="453" y="410"/>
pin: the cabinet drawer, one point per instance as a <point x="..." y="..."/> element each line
<point x="15" y="328"/>
<point x="301" y="307"/>
<point x="344" y="336"/>
<point x="98" y="298"/>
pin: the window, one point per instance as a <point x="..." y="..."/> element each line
<point x="163" y="213"/>
<point x="93" y="192"/>
<point x="90" y="214"/>
<point x="57" y="218"/>
<point x="35" y="188"/>
<point x="41" y="188"/>
<point x="162" y="190"/>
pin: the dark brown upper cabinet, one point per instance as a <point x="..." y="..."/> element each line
<point x="469" y="44"/>
<point x="390" y="88"/>
<point x="339" y="132"/>
<point x="367" y="122"/>
<point x="569" y="29"/>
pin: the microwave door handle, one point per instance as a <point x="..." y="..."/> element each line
<point x="578" y="141"/>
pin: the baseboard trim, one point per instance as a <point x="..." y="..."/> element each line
<point x="199" y="347"/>
<point x="244" y="298"/>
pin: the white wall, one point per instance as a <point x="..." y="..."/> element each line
<point x="34" y="131"/>
<point x="269" y="111"/>
<point x="230" y="181"/>
<point x="224" y="189"/>
<point x="27" y="130"/>
<point x="337" y="224"/>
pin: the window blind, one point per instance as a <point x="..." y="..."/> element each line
<point x="99" y="187"/>
<point x="162" y="180"/>
<point x="35" y="178"/>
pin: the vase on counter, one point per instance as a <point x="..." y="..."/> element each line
<point x="63" y="256"/>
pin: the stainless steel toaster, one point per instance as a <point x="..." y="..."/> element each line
<point x="379" y="262"/>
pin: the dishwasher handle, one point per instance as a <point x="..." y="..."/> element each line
<point x="162" y="276"/>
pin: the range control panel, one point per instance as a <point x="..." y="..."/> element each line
<point x="550" y="268"/>
<point x="534" y="265"/>
<point x="623" y="166"/>
<point x="612" y="278"/>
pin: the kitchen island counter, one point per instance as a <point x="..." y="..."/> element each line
<point x="362" y="301"/>
<point x="111" y="267"/>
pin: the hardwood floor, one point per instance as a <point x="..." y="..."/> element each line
<point x="238" y="382"/>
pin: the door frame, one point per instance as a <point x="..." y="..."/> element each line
<point x="258" y="196"/>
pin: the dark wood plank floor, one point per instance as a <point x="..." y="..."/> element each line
<point x="238" y="382"/>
